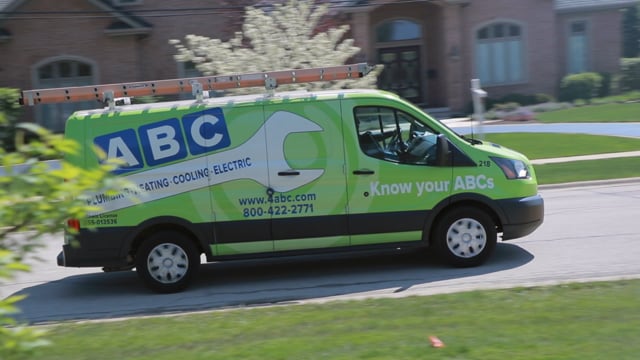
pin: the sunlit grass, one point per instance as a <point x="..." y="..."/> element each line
<point x="545" y="145"/>
<point x="579" y="321"/>
<point x="551" y="145"/>
<point x="628" y="112"/>
<point x="605" y="169"/>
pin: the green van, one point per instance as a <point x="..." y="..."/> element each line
<point x="288" y="173"/>
<point x="293" y="173"/>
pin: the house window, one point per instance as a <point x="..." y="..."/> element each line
<point x="577" y="55"/>
<point x="62" y="73"/>
<point x="398" y="30"/>
<point x="499" y="54"/>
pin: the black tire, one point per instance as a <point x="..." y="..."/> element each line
<point x="167" y="261"/>
<point x="465" y="237"/>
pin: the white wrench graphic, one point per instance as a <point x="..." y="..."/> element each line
<point x="251" y="160"/>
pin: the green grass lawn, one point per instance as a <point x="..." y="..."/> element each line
<point x="551" y="145"/>
<point x="628" y="112"/>
<point x="542" y="146"/>
<point x="618" y="168"/>
<point x="577" y="321"/>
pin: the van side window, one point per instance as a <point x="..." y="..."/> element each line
<point x="393" y="135"/>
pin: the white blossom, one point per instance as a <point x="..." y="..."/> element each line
<point x="280" y="39"/>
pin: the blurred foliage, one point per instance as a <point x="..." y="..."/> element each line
<point x="10" y="110"/>
<point x="630" y="74"/>
<point x="519" y="99"/>
<point x="285" y="37"/>
<point x="607" y="85"/>
<point x="584" y="86"/>
<point x="36" y="198"/>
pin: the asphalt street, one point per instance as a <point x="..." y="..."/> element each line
<point x="589" y="234"/>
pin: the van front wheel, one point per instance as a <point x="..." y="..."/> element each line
<point x="167" y="261"/>
<point x="465" y="237"/>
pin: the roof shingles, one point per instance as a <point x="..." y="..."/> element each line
<point x="578" y="5"/>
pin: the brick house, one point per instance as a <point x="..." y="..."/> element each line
<point x="431" y="48"/>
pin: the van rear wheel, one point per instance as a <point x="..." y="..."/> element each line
<point x="465" y="237"/>
<point x="167" y="261"/>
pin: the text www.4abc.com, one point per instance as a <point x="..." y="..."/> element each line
<point x="277" y="205"/>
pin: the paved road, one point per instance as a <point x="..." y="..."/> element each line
<point x="589" y="233"/>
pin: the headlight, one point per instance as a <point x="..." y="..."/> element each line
<point x="512" y="169"/>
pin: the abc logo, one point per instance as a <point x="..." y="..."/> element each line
<point x="166" y="140"/>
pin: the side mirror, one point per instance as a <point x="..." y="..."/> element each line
<point x="443" y="155"/>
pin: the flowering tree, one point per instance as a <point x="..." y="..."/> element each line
<point x="285" y="37"/>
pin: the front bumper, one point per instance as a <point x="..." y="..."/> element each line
<point x="521" y="216"/>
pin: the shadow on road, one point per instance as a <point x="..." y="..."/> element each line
<point x="251" y="283"/>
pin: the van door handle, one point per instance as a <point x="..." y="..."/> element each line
<point x="288" y="173"/>
<point x="363" y="172"/>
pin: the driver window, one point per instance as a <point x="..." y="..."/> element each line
<point x="393" y="135"/>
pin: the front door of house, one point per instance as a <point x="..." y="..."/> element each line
<point x="401" y="73"/>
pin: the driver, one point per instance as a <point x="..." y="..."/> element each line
<point x="421" y="147"/>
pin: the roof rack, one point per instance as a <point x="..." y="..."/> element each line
<point x="109" y="93"/>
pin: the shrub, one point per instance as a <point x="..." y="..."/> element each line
<point x="580" y="102"/>
<point x="543" y="98"/>
<point x="520" y="99"/>
<point x="550" y="106"/>
<point x="510" y="106"/>
<point x="9" y="112"/>
<point x="516" y="98"/>
<point x="605" y="87"/>
<point x="582" y="86"/>
<point x="630" y="74"/>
